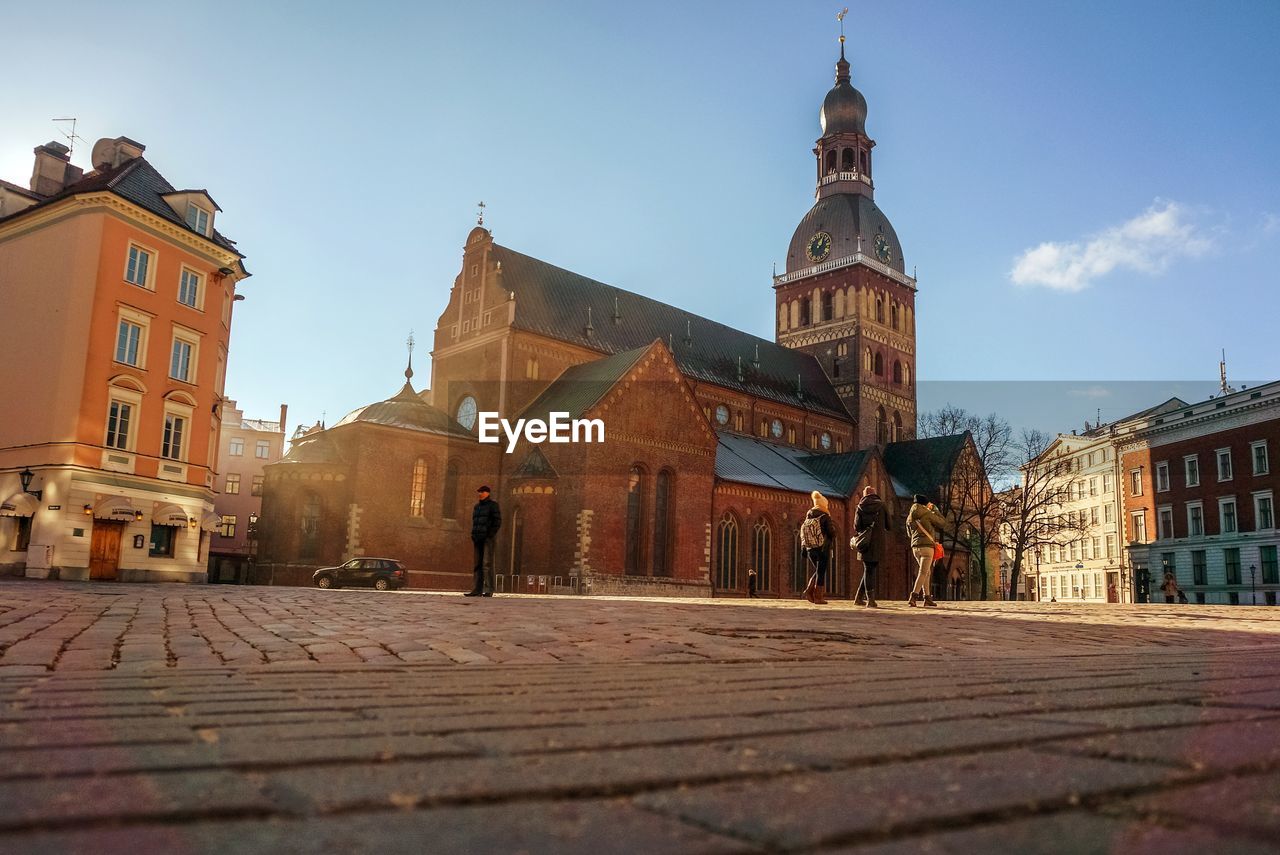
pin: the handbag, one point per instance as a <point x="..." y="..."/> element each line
<point x="938" y="554"/>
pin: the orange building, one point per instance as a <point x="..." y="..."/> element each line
<point x="116" y="291"/>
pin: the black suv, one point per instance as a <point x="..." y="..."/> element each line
<point x="381" y="573"/>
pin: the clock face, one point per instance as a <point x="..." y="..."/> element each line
<point x="826" y="440"/>
<point x="776" y="428"/>
<point x="722" y="414"/>
<point x="884" y="252"/>
<point x="819" y="247"/>
<point x="467" y="412"/>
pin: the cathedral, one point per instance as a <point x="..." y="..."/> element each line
<point x="714" y="437"/>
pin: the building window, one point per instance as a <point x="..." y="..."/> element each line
<point x="762" y="555"/>
<point x="1164" y="523"/>
<point x="232" y="485"/>
<point x="828" y="308"/>
<point x="175" y="427"/>
<point x="162" y="537"/>
<point x="1108" y="513"/>
<point x="897" y="372"/>
<point x="189" y="288"/>
<point x="128" y="342"/>
<point x="263" y="449"/>
<point x="1195" y="519"/>
<point x="309" y="524"/>
<point x="1270" y="569"/>
<point x="1199" y="571"/>
<point x="198" y="218"/>
<point x="1135" y="482"/>
<point x="1093" y="485"/>
<point x="635" y="522"/>
<point x="531" y="369"/>
<point x="662" y="524"/>
<point x="877" y="365"/>
<point x="1224" y="464"/>
<point x="727" y="553"/>
<point x="236" y="447"/>
<point x="418" y="489"/>
<point x="1227" y="515"/>
<point x="1111" y="546"/>
<point x="1107" y="484"/>
<point x="1263" y="511"/>
<point x="255" y="486"/>
<point x="228" y="525"/>
<point x="1139" y="520"/>
<point x="119" y="423"/>
<point x="180" y="360"/>
<point x="1261" y="465"/>
<point x="1162" y="477"/>
<point x="1191" y="467"/>
<point x="893" y="315"/>
<point x="879" y="310"/>
<point x="138" y="270"/>
<point x="449" y="510"/>
<point x="1231" y="558"/>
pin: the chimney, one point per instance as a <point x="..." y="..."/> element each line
<point x="284" y="411"/>
<point x="53" y="171"/>
<point x="108" y="153"/>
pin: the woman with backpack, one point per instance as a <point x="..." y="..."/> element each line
<point x="817" y="533"/>
<point x="870" y="523"/>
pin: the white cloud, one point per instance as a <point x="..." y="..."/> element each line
<point x="1148" y="243"/>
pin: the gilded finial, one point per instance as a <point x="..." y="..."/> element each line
<point x="480" y="213"/>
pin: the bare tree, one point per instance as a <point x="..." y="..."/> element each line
<point x="1032" y="513"/>
<point x="972" y="507"/>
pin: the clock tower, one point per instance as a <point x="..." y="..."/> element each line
<point x="845" y="297"/>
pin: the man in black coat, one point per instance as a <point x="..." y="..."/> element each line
<point x="486" y="519"/>
<point x="870" y="525"/>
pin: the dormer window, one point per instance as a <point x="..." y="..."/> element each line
<point x="198" y="218"/>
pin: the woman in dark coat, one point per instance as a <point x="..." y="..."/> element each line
<point x="870" y="526"/>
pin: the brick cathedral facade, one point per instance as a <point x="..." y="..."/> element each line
<point x="714" y="437"/>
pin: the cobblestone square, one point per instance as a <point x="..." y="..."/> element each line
<point x="192" y="719"/>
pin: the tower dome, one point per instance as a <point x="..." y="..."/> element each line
<point x="844" y="110"/>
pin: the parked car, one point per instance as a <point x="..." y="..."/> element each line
<point x="380" y="573"/>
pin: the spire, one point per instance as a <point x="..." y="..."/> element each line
<point x="842" y="65"/>
<point x="408" y="371"/>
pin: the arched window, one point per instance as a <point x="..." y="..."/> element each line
<point x="515" y="560"/>
<point x="309" y="523"/>
<point x="795" y="313"/>
<point x="418" y="489"/>
<point x="831" y="161"/>
<point x="846" y="160"/>
<point x="805" y="306"/>
<point x="635" y="522"/>
<point x="865" y="165"/>
<point x="828" y="307"/>
<point x="897" y="371"/>
<point x="799" y="565"/>
<point x="727" y="553"/>
<point x="762" y="554"/>
<point x="880" y="309"/>
<point x="893" y="315"/>
<point x="897" y="426"/>
<point x="662" y="528"/>
<point x="882" y="426"/>
<point x="782" y="317"/>
<point x="449" y="507"/>
<point x="867" y="362"/>
<point x="906" y="374"/>
<point x="839" y="303"/>
<point x="878" y="365"/>
<point x="531" y="368"/>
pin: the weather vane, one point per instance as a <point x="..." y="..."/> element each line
<point x="480" y="214"/>
<point x="840" y="17"/>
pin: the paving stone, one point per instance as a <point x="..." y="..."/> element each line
<point x="1249" y="801"/>
<point x="1225" y="746"/>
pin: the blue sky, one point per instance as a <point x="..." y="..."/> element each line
<point x="1089" y="190"/>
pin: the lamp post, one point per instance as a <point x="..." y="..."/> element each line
<point x="1253" y="584"/>
<point x="25" y="477"/>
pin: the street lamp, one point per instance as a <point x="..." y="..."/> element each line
<point x="25" y="477"/>
<point x="1253" y="584"/>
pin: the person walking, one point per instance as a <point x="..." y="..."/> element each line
<point x="924" y="526"/>
<point x="817" y="533"/>
<point x="1170" y="588"/>
<point x="486" y="519"/>
<point x="870" y="527"/>
<point x="751" y="583"/>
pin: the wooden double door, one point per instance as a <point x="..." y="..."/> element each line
<point x="104" y="549"/>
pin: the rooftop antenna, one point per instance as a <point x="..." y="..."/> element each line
<point x="480" y="213"/>
<point x="71" y="135"/>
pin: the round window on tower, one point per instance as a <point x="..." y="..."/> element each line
<point x="775" y="428"/>
<point x="722" y="415"/>
<point x="826" y="440"/>
<point x="467" y="411"/>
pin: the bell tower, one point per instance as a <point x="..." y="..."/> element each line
<point x="845" y="297"/>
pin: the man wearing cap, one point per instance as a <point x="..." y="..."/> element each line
<point x="486" y="519"/>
